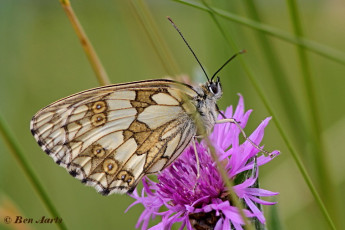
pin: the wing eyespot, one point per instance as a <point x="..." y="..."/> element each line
<point x="126" y="177"/>
<point x="98" y="151"/>
<point x="99" y="107"/>
<point x="98" y="119"/>
<point x="110" y="166"/>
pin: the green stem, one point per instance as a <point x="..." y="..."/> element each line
<point x="312" y="46"/>
<point x="294" y="154"/>
<point x="321" y="163"/>
<point x="36" y="184"/>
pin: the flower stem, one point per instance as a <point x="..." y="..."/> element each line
<point x="12" y="144"/>
<point x="90" y="52"/>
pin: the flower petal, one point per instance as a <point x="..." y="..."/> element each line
<point x="181" y="193"/>
<point x="257" y="212"/>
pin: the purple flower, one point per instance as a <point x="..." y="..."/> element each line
<point x="204" y="201"/>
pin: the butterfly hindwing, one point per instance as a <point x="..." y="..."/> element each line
<point x="109" y="137"/>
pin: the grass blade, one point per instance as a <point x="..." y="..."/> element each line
<point x="36" y="184"/>
<point x="312" y="46"/>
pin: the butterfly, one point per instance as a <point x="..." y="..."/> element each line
<point x="110" y="137"/>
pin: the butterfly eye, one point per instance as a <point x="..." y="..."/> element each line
<point x="213" y="88"/>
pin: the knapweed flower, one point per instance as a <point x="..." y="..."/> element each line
<point x="204" y="202"/>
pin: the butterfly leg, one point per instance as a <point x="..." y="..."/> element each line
<point x="197" y="159"/>
<point x="232" y="120"/>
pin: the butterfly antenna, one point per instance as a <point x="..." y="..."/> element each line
<point x="190" y="48"/>
<point x="233" y="56"/>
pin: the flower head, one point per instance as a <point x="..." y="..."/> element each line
<point x="204" y="200"/>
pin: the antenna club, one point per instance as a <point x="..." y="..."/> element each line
<point x="172" y="22"/>
<point x="242" y="51"/>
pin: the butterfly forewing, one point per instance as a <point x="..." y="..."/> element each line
<point x="110" y="137"/>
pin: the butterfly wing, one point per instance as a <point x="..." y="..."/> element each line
<point x="110" y="137"/>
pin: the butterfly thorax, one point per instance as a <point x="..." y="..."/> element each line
<point x="206" y="105"/>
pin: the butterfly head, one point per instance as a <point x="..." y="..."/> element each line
<point x="213" y="88"/>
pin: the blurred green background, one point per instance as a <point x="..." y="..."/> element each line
<point x="41" y="60"/>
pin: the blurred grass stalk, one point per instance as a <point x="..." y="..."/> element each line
<point x="323" y="175"/>
<point x="315" y="47"/>
<point x="13" y="146"/>
<point x="229" y="184"/>
<point x="279" y="78"/>
<point x="145" y="19"/>
<point x="90" y="52"/>
<point x="261" y="94"/>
